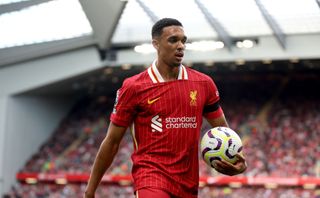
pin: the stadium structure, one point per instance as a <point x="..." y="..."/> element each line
<point x="61" y="62"/>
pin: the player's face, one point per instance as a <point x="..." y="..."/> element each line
<point x="171" y="45"/>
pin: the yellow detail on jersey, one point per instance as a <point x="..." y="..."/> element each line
<point x="133" y="133"/>
<point x="153" y="101"/>
<point x="193" y="96"/>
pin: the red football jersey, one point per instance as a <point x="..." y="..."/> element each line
<point x="165" y="120"/>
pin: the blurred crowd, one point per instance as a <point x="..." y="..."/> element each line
<point x="113" y="191"/>
<point x="279" y="126"/>
<point x="68" y="191"/>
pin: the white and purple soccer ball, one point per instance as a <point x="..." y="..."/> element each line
<point x="220" y="143"/>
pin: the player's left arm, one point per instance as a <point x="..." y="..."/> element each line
<point x="213" y="112"/>
<point x="218" y="121"/>
<point x="223" y="166"/>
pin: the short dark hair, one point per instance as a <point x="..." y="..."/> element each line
<point x="162" y="23"/>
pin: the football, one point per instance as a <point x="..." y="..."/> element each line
<point x="220" y="143"/>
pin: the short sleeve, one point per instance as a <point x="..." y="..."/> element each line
<point x="124" y="106"/>
<point x="212" y="108"/>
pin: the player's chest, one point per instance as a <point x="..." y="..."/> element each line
<point x="170" y="98"/>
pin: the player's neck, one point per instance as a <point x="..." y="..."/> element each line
<point x="168" y="73"/>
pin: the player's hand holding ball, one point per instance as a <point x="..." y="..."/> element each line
<point x="221" y="149"/>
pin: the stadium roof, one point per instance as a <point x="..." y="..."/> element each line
<point x="35" y="28"/>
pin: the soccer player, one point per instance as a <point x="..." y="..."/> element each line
<point x="164" y="106"/>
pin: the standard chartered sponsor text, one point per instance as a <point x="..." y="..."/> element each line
<point x="181" y="122"/>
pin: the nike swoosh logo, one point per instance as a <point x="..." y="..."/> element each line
<point x="153" y="101"/>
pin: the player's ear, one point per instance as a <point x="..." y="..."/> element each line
<point x="155" y="44"/>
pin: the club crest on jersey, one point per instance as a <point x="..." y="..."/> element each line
<point x="193" y="97"/>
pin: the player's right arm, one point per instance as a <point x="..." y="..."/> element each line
<point x="107" y="151"/>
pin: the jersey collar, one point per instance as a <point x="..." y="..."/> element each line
<point x="156" y="76"/>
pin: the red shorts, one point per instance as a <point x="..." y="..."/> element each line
<point x="152" y="192"/>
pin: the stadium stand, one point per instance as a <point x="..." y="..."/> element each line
<point x="278" y="119"/>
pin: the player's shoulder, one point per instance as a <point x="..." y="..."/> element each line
<point x="197" y="76"/>
<point x="137" y="79"/>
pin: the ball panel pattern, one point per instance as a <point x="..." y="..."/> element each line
<point x="220" y="143"/>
